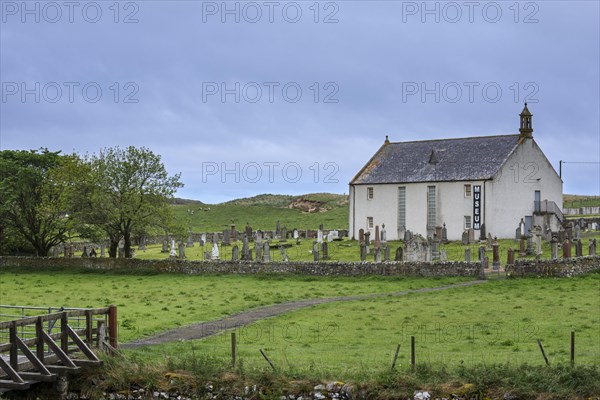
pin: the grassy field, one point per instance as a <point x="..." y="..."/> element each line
<point x="495" y="323"/>
<point x="575" y="201"/>
<point x="263" y="212"/>
<point x="149" y="304"/>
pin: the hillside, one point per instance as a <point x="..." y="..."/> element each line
<point x="574" y="201"/>
<point x="263" y="211"/>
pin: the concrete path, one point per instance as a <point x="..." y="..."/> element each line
<point x="210" y="328"/>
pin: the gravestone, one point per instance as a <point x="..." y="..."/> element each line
<point x="399" y="254"/>
<point x="489" y="242"/>
<point x="482" y="233"/>
<point x="295" y="234"/>
<point x="377" y="254"/>
<point x="226" y="238"/>
<point x="102" y="250"/>
<point x="181" y="251"/>
<point x="522" y="246"/>
<point x="510" y="257"/>
<point x="190" y="242"/>
<point x="361" y="235"/>
<point x="93" y="253"/>
<point x="233" y="233"/>
<point x="258" y="247"/>
<point x="368" y="238"/>
<point x="569" y="231"/>
<point x="215" y="251"/>
<point x="259" y="237"/>
<point x="435" y="249"/>
<point x="592" y="247"/>
<point x="578" y="247"/>
<point x="383" y="235"/>
<point x="215" y="238"/>
<point x="283" y="234"/>
<point x="577" y="231"/>
<point x="444" y="234"/>
<point x="520" y="230"/>
<point x="408" y="235"/>
<point x="248" y="230"/>
<point x="71" y="250"/>
<point x="245" y="248"/>
<point x="468" y="254"/>
<point x="142" y="243"/>
<point x="465" y="238"/>
<point x="554" y="248"/>
<point x="443" y="255"/>
<point x="325" y="250"/>
<point x="315" y="251"/>
<point x="277" y="229"/>
<point x="284" y="256"/>
<point x="377" y="243"/>
<point x="417" y="249"/>
<point x="495" y="254"/>
<point x="203" y="239"/>
<point x="84" y="253"/>
<point x="266" y="252"/>
<point x="471" y="233"/>
<point x="234" y="253"/>
<point x="207" y="255"/>
<point x="438" y="232"/>
<point x="321" y="227"/>
<point x="319" y="236"/>
<point x="566" y="248"/>
<point x="363" y="251"/>
<point x="481" y="253"/>
<point x="529" y="249"/>
<point x="330" y="237"/>
<point x="386" y="253"/>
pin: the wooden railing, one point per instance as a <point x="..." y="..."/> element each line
<point x="34" y="349"/>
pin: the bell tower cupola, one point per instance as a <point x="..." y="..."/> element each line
<point x="526" y="127"/>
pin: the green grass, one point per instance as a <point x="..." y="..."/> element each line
<point x="575" y="201"/>
<point x="263" y="212"/>
<point x="148" y="304"/>
<point x="495" y="323"/>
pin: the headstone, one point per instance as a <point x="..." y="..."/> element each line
<point x="142" y="243"/>
<point x="190" y="242"/>
<point x="471" y="233"/>
<point x="377" y="243"/>
<point x="120" y="252"/>
<point x="522" y="246"/>
<point x="245" y="248"/>
<point x="296" y="235"/>
<point x="283" y="234"/>
<point x="321" y="227"/>
<point x="226" y="238"/>
<point x="181" y="251"/>
<point x="284" y="256"/>
<point x="258" y="247"/>
<point x="521" y="229"/>
<point x="377" y="254"/>
<point x="482" y="233"/>
<point x="529" y="249"/>
<point x="408" y="236"/>
<point x="578" y="247"/>
<point x="315" y="251"/>
<point x="93" y="253"/>
<point x="577" y="232"/>
<point x="554" y="248"/>
<point x="592" y="247"/>
<point x="386" y="253"/>
<point x="248" y="230"/>
<point x="71" y="250"/>
<point x="482" y="266"/>
<point x="361" y="235"/>
<point x="383" y="234"/>
<point x="569" y="231"/>
<point x="443" y="255"/>
<point x="399" y="254"/>
<point x="481" y="253"/>
<point x="234" y="236"/>
<point x="538" y="243"/>
<point x="363" y="251"/>
<point x="465" y="238"/>
<point x="203" y="239"/>
<point x="84" y="253"/>
<point x="468" y="254"/>
<point x="266" y="252"/>
<point x="215" y="238"/>
<point x="566" y="248"/>
<point x="172" y="252"/>
<point x="278" y="229"/>
<point x="495" y="254"/>
<point x="444" y="234"/>
<point x="510" y="257"/>
<point x="330" y="236"/>
<point x="207" y="255"/>
<point x="438" y="232"/>
<point x="102" y="250"/>
<point x="325" y="250"/>
<point x="417" y="249"/>
<point x="368" y="238"/>
<point x="489" y="242"/>
<point x="215" y="251"/>
<point x="259" y="237"/>
<point x="435" y="249"/>
<point x="319" y="236"/>
<point x="234" y="253"/>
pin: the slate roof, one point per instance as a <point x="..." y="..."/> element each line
<point x="461" y="159"/>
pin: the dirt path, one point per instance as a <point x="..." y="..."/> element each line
<point x="210" y="328"/>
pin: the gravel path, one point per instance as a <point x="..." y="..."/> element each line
<point x="210" y="328"/>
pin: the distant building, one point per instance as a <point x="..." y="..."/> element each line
<point x="465" y="183"/>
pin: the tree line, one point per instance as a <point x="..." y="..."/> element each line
<point x="48" y="198"/>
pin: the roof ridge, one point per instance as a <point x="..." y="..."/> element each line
<point x="460" y="138"/>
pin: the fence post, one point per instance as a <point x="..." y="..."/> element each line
<point x="412" y="352"/>
<point x="233" y="349"/>
<point x="572" y="349"/>
<point x="64" y="333"/>
<point x="112" y="325"/>
<point x="14" y="356"/>
<point x="395" y="356"/>
<point x="101" y="335"/>
<point x="543" y="352"/>
<point x="88" y="327"/>
<point x="39" y="345"/>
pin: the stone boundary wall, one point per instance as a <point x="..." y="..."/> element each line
<point x="251" y="267"/>
<point x="557" y="268"/>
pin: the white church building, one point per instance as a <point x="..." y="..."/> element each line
<point x="486" y="183"/>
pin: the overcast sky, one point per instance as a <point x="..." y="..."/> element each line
<point x="245" y="98"/>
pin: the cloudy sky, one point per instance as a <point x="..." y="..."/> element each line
<point x="245" y="97"/>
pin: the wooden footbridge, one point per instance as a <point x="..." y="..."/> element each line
<point x="39" y="348"/>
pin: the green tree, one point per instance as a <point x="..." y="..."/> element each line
<point x="33" y="198"/>
<point x="130" y="193"/>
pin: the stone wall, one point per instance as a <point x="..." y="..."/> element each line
<point x="556" y="268"/>
<point x="251" y="267"/>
